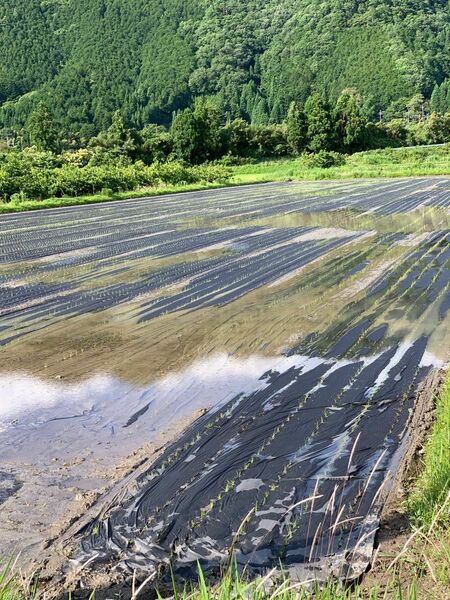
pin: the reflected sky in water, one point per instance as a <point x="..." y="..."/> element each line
<point x="27" y="400"/>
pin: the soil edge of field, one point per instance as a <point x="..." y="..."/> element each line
<point x="395" y="525"/>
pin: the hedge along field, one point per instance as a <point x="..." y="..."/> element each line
<point x="34" y="180"/>
<point x="38" y="175"/>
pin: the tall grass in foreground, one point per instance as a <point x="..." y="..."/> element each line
<point x="15" y="587"/>
<point x="427" y="502"/>
<point x="426" y="552"/>
<point x="233" y="587"/>
<point x="230" y="587"/>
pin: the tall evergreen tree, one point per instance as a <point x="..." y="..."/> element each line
<point x="296" y="128"/>
<point x="42" y="129"/>
<point x="438" y="99"/>
<point x="119" y="138"/>
<point x="350" y="122"/>
<point x="208" y="126"/>
<point x="259" y="115"/>
<point x="320" y="123"/>
<point x="186" y="137"/>
<point x="196" y="133"/>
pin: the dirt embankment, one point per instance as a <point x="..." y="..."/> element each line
<point x="395" y="535"/>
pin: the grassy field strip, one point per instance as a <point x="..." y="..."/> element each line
<point x="433" y="485"/>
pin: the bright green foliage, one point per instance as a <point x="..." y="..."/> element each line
<point x="431" y="500"/>
<point x="320" y="123"/>
<point x="39" y="175"/>
<point x="42" y="129"/>
<point x="324" y="159"/>
<point x="296" y="128"/>
<point x="87" y="59"/>
<point x="406" y="162"/>
<point x="349" y="120"/>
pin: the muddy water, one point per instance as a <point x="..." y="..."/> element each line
<point x="279" y="321"/>
<point x="64" y="441"/>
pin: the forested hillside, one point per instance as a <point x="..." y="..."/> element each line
<point x="148" y="58"/>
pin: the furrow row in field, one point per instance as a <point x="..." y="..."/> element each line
<point x="305" y="457"/>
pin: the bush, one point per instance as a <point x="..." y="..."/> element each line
<point x="229" y="160"/>
<point x="377" y="136"/>
<point x="74" y="181"/>
<point x="77" y="158"/>
<point x="20" y="178"/>
<point x="211" y="173"/>
<point x="243" y="140"/>
<point x="324" y="159"/>
<point x="397" y="131"/>
<point x="176" y="173"/>
<point x="172" y="173"/>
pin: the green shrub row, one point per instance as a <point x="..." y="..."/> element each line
<point x="36" y="176"/>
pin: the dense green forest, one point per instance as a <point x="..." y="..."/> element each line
<point x="88" y="58"/>
<point x="113" y="95"/>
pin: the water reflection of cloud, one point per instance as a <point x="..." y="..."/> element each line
<point x="205" y="383"/>
<point x="21" y="393"/>
<point x="106" y="402"/>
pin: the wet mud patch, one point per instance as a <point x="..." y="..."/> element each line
<point x="9" y="485"/>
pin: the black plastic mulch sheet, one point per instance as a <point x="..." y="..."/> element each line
<point x="293" y="472"/>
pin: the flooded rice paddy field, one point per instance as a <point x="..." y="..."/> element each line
<point x="242" y="365"/>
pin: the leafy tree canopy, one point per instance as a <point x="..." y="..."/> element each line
<point x="86" y="59"/>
